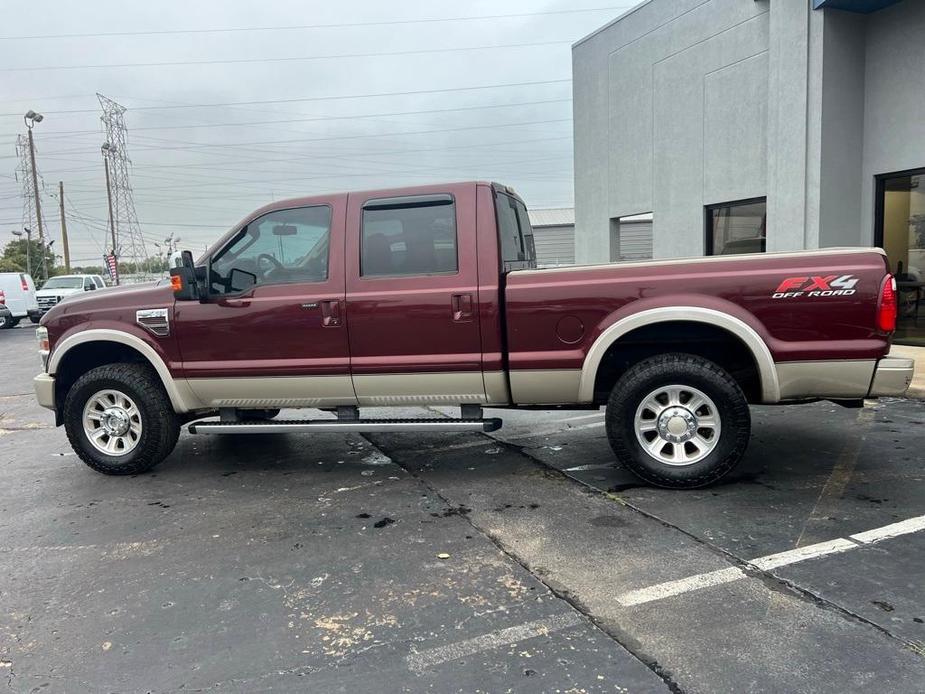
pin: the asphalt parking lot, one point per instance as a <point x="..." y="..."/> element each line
<point x="521" y="561"/>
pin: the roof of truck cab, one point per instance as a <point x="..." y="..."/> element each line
<point x="372" y="193"/>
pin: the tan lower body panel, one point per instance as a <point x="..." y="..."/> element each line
<point x="274" y="391"/>
<point x="825" y="379"/>
<point x="448" y="388"/>
<point x="545" y="386"/>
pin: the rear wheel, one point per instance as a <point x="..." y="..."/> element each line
<point x="7" y="323"/>
<point x="678" y="420"/>
<point x="35" y="319"/>
<point x="119" y="420"/>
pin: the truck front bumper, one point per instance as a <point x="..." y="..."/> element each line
<point x="44" y="385"/>
<point x="892" y="376"/>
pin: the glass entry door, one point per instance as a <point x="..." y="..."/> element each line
<point x="901" y="233"/>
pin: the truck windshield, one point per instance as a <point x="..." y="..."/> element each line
<point x="515" y="233"/>
<point x="64" y="283"/>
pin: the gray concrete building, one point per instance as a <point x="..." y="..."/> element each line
<point x="752" y="125"/>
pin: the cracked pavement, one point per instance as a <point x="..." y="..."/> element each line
<point x="425" y="562"/>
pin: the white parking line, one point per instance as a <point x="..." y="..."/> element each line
<point x="911" y="525"/>
<point x="668" y="589"/>
<point x="423" y="660"/>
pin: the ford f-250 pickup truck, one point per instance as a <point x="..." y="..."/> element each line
<point x="430" y="296"/>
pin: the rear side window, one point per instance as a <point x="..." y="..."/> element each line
<point x="412" y="235"/>
<point x="515" y="233"/>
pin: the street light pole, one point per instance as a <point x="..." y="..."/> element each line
<point x="28" y="233"/>
<point x="30" y="119"/>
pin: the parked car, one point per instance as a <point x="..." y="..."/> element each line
<point x="429" y="296"/>
<point x="6" y="317"/>
<point x="19" y="292"/>
<point x="59" y="287"/>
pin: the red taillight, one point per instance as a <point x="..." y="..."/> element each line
<point x="2" y="297"/>
<point x="25" y="285"/>
<point x="887" y="306"/>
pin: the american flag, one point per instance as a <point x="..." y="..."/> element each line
<point x="112" y="266"/>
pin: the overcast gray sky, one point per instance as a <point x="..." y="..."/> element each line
<point x="198" y="170"/>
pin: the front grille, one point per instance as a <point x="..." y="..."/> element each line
<point x="46" y="302"/>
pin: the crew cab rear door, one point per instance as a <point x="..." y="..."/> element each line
<point x="412" y="297"/>
<point x="271" y="332"/>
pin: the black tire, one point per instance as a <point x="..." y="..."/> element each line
<point x="35" y="319"/>
<point x="7" y="323"/>
<point x="14" y="322"/>
<point x="160" y="426"/>
<point x="684" y="370"/>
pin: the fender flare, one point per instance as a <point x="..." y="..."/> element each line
<point x="767" y="371"/>
<point x="180" y="396"/>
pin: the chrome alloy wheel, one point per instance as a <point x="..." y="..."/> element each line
<point x="112" y="422"/>
<point x="677" y="425"/>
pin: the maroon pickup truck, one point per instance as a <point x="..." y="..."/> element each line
<point x="430" y="296"/>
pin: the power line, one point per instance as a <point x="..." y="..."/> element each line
<point x="285" y="59"/>
<point x="339" y="25"/>
<point x="68" y="133"/>
<point x="313" y="98"/>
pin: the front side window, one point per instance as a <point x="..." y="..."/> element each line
<point x="414" y="235"/>
<point x="280" y="247"/>
<point x="515" y="233"/>
<point x="737" y="227"/>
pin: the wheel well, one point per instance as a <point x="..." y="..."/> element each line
<point x="88" y="355"/>
<point x="689" y="337"/>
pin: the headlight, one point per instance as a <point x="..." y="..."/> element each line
<point x="41" y="335"/>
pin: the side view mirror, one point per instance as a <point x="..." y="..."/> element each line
<point x="242" y="280"/>
<point x="183" y="279"/>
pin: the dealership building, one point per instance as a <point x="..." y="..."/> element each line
<point x="735" y="126"/>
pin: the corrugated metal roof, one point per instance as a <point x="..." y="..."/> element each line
<point x="551" y="217"/>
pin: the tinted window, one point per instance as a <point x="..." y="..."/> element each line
<point x="414" y="236"/>
<point x="515" y="233"/>
<point x="736" y="227"/>
<point x="279" y="247"/>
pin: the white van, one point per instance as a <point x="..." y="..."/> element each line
<point x="19" y="295"/>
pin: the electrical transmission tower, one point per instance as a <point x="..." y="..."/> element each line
<point x="24" y="176"/>
<point x="126" y="231"/>
<point x="28" y="179"/>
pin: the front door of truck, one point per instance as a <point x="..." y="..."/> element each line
<point x="272" y="332"/>
<point x="412" y="297"/>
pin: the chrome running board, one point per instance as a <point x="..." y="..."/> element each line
<point x="344" y="425"/>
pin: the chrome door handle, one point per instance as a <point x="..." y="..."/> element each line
<point x="462" y="307"/>
<point x="330" y="313"/>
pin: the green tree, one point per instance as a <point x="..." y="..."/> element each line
<point x="14" y="257"/>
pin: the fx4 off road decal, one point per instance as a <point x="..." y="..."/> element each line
<point x="816" y="286"/>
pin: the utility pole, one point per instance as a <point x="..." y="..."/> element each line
<point x="67" y="252"/>
<point x="112" y="221"/>
<point x="30" y="119"/>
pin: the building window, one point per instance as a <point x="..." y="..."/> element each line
<point x="737" y="227"/>
<point x="900" y="231"/>
<point x="631" y="237"/>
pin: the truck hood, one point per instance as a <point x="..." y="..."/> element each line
<point x="146" y="295"/>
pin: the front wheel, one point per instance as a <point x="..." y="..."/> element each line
<point x="7" y="323"/>
<point x="119" y="420"/>
<point x="678" y="421"/>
